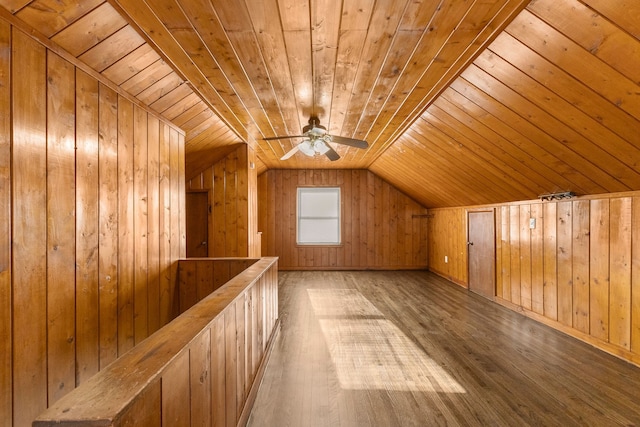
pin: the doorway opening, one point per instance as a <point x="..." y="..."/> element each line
<point x="197" y="212"/>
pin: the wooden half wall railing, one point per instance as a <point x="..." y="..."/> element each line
<point x="203" y="368"/>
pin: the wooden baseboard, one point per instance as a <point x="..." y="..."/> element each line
<point x="253" y="391"/>
<point x="599" y="344"/>
<point x="449" y="278"/>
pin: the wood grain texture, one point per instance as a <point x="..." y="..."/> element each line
<point x="200" y="381"/>
<point x="524" y="82"/>
<point x="229" y="205"/>
<point x="463" y="103"/>
<point x="377" y="237"/>
<point x="481" y="252"/>
<point x="108" y="225"/>
<point x="635" y="275"/>
<point x="410" y="348"/>
<point x="29" y="250"/>
<point x="503" y="286"/>
<point x="218" y="373"/>
<point x="218" y="203"/>
<point x="550" y="232"/>
<point x="54" y="17"/>
<point x="87" y="231"/>
<point x="61" y="227"/>
<point x="148" y="403"/>
<point x="514" y="251"/>
<point x="525" y="253"/>
<point x="5" y="223"/>
<point x="579" y="261"/>
<point x="231" y="185"/>
<point x="176" y="209"/>
<point x="126" y="231"/>
<point x="620" y="272"/>
<point x="537" y="259"/>
<point x="99" y="24"/>
<point x="255" y="236"/>
<point x="165" y="284"/>
<point x="141" y="227"/>
<point x="549" y="105"/>
<point x="75" y="176"/>
<point x="231" y="367"/>
<point x="198" y="224"/>
<point x="172" y="376"/>
<point x="564" y="263"/>
<point x="176" y="399"/>
<point x="581" y="218"/>
<point x="241" y="348"/>
<point x="181" y="224"/>
<point x="153" y="225"/>
<point x="599" y="279"/>
<point x="199" y="277"/>
<point x="447" y="227"/>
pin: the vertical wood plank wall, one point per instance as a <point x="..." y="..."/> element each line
<point x="382" y="227"/>
<point x="91" y="225"/>
<point x="5" y="227"/>
<point x="254" y="236"/>
<point x="233" y="223"/>
<point x="198" y="277"/>
<point x="195" y="371"/>
<point x="444" y="229"/>
<point x="575" y="271"/>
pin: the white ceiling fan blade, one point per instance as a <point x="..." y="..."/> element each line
<point x="291" y="152"/>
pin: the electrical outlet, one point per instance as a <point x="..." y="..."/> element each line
<point x="446" y="259"/>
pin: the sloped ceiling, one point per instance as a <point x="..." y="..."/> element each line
<point x="462" y="102"/>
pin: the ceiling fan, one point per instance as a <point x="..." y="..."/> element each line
<point x="316" y="141"/>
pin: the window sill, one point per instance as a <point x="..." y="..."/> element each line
<point x="319" y="245"/>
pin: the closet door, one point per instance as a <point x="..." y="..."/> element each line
<point x="481" y="251"/>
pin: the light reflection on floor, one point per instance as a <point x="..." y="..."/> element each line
<point x="369" y="352"/>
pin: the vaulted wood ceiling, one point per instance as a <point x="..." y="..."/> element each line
<point x="463" y="102"/>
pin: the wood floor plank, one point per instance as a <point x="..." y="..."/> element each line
<point x="412" y="349"/>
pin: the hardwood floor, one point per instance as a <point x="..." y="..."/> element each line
<point x="411" y="349"/>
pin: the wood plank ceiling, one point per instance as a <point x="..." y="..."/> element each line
<point x="463" y="102"/>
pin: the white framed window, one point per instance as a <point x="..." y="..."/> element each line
<point x="318" y="216"/>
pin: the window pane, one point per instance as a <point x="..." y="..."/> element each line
<point x="317" y="231"/>
<point x="319" y="215"/>
<point x="319" y="202"/>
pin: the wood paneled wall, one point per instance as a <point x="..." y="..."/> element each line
<point x="254" y="236"/>
<point x="91" y="224"/>
<point x="445" y="226"/>
<point x="577" y="270"/>
<point x="199" y="277"/>
<point x="381" y="227"/>
<point x="202" y="369"/>
<point x="231" y="183"/>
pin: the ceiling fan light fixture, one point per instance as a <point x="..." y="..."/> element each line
<point x="320" y="146"/>
<point x="306" y="148"/>
<point x="317" y="141"/>
<point x="317" y="132"/>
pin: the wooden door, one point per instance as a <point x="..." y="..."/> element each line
<point x="197" y="210"/>
<point x="482" y="253"/>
